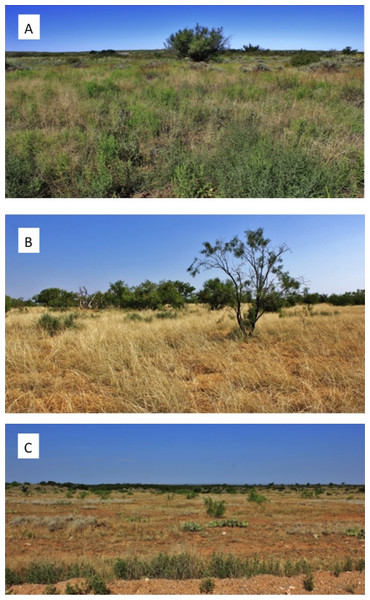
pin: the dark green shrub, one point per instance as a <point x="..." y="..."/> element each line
<point x="206" y="586"/>
<point x="52" y="325"/>
<point x="73" y="589"/>
<point x="304" y="58"/>
<point x="199" y="43"/>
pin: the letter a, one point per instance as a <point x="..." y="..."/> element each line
<point x="28" y="29"/>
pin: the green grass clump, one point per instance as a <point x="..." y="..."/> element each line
<point x="11" y="578"/>
<point x="166" y="566"/>
<point x="215" y="508"/>
<point x="50" y="572"/>
<point x="206" y="586"/>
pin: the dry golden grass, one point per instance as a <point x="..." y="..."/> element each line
<point x="194" y="363"/>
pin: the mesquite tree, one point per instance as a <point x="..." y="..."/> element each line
<point x="253" y="266"/>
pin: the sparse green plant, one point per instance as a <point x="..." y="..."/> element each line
<point x="254" y="496"/>
<point x="308" y="583"/>
<point x="215" y="508"/>
<point x="207" y="586"/>
<point x="74" y="589"/>
<point x="355" y="532"/>
<point x="97" y="586"/>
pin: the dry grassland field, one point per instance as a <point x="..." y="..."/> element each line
<point x="288" y="540"/>
<point x="144" y="124"/>
<point x="189" y="360"/>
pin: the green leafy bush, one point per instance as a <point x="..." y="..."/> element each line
<point x="254" y="496"/>
<point x="215" y="508"/>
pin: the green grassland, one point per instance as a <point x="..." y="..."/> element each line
<point x="144" y="124"/>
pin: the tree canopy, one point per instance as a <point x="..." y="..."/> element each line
<point x="253" y="266"/>
<point x="198" y="43"/>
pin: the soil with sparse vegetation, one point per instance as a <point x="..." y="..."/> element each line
<point x="66" y="538"/>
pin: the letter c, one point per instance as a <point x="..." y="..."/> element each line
<point x="25" y="448"/>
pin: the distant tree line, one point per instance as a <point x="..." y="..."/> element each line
<point x="184" y="488"/>
<point x="217" y="294"/>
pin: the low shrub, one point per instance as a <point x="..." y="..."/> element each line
<point x="304" y="58"/>
<point x="53" y="325"/>
<point x="215" y="508"/>
<point x="254" y="496"/>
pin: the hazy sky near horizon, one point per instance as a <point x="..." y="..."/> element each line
<point x="327" y="251"/>
<point x="190" y="454"/>
<point x="97" y="27"/>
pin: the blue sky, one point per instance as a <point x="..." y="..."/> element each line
<point x="190" y="454"/>
<point x="94" y="251"/>
<point x="73" y="28"/>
